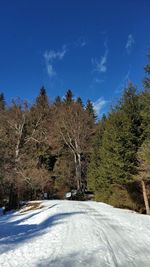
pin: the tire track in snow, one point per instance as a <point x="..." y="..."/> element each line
<point x="99" y="231"/>
<point x="122" y="244"/>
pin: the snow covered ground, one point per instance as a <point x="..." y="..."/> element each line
<point x="75" y="234"/>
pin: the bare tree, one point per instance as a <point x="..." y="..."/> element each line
<point x="23" y="129"/>
<point x="73" y="127"/>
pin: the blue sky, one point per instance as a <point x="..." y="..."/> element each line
<point x="90" y="46"/>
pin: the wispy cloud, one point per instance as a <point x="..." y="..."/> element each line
<point x="129" y="44"/>
<point x="126" y="77"/>
<point x="124" y="82"/>
<point x="81" y="42"/>
<point x="101" y="65"/>
<point x="51" y="57"/>
<point x="98" y="105"/>
<point x="50" y="70"/>
<point x="98" y="81"/>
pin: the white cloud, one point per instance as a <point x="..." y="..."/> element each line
<point x="51" y="57"/>
<point x="101" y="65"/>
<point x="98" y="105"/>
<point x="130" y="43"/>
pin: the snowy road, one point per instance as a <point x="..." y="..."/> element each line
<point x="75" y="234"/>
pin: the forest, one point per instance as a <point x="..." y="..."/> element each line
<point x="56" y="146"/>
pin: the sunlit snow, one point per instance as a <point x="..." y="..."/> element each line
<point x="75" y="234"/>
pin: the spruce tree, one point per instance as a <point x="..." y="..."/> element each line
<point x="95" y="159"/>
<point x="57" y="100"/>
<point x="115" y="160"/>
<point x="2" y="101"/>
<point x="144" y="100"/>
<point x="68" y="100"/>
<point x="146" y="80"/>
<point x="42" y="100"/>
<point x="79" y="101"/>
<point x="131" y="107"/>
<point x="90" y="109"/>
<point x="144" y="170"/>
<point x="145" y="103"/>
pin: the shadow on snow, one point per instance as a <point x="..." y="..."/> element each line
<point x="14" y="233"/>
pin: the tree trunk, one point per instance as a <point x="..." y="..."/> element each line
<point x="78" y="170"/>
<point x="12" y="198"/>
<point x="10" y="204"/>
<point x="145" y="197"/>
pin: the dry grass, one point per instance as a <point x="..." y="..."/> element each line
<point x="31" y="206"/>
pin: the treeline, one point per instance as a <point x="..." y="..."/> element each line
<point x="44" y="147"/>
<point x="53" y="147"/>
<point x="119" y="168"/>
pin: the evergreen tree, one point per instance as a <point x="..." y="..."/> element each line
<point x="68" y="97"/>
<point x="79" y="101"/>
<point x="145" y="103"/>
<point x="144" y="170"/>
<point x="115" y="161"/>
<point x="144" y="100"/>
<point x="131" y="107"/>
<point x="146" y="81"/>
<point x="57" y="101"/>
<point x="90" y="109"/>
<point x="39" y="117"/>
<point x="95" y="159"/>
<point x="112" y="152"/>
<point x="143" y="154"/>
<point x="42" y="100"/>
<point x="2" y="101"/>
